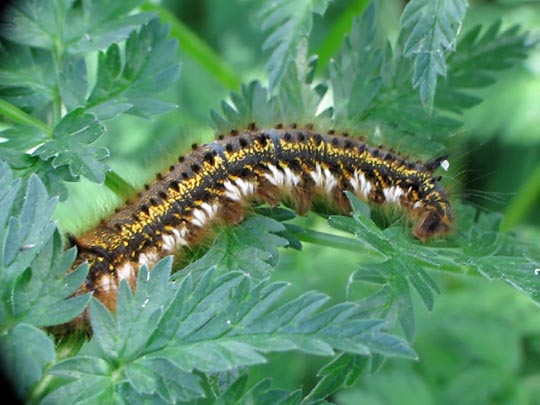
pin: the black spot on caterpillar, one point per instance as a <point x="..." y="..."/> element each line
<point x="219" y="181"/>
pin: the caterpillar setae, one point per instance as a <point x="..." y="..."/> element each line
<point x="218" y="182"/>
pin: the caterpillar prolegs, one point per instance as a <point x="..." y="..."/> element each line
<point x="217" y="182"/>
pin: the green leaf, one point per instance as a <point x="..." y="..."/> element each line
<point x="27" y="79"/>
<point x="430" y="29"/>
<point x="479" y="247"/>
<point x="141" y="378"/>
<point x="145" y="378"/>
<point x="89" y="390"/>
<point x="105" y="329"/>
<point x="70" y="146"/>
<point x="394" y="298"/>
<point x="34" y="284"/>
<point x="262" y="393"/>
<point x="496" y="255"/>
<point x="53" y="178"/>
<point x="228" y="387"/>
<point x="343" y="371"/>
<point x="19" y="140"/>
<point x="520" y="272"/>
<point x="25" y="351"/>
<point x="150" y="66"/>
<point x="213" y="324"/>
<point x="100" y="23"/>
<point x="40" y="296"/>
<point x="27" y="89"/>
<point x="16" y="160"/>
<point x="34" y="23"/>
<point x="71" y="27"/>
<point x="73" y="83"/>
<point x="146" y="307"/>
<point x="403" y="265"/>
<point x="250" y="247"/>
<point x="372" y="94"/>
<point x="356" y="72"/>
<point x="211" y="357"/>
<point x="251" y="105"/>
<point x="291" y="22"/>
<point x="298" y="100"/>
<point x="81" y="367"/>
<point x="291" y="231"/>
<point x="246" y="319"/>
<point x="493" y="51"/>
<point x="198" y="306"/>
<point x="476" y="60"/>
<point x="27" y="231"/>
<point x="9" y="188"/>
<point x="44" y="72"/>
<point x="377" y="95"/>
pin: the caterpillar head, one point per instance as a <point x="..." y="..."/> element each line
<point x="435" y="221"/>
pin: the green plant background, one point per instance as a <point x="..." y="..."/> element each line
<point x="481" y="343"/>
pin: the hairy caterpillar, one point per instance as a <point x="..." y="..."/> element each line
<point x="217" y="182"/>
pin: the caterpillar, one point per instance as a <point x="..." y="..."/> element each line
<point x="218" y="182"/>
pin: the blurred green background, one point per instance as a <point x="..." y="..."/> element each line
<point x="481" y="344"/>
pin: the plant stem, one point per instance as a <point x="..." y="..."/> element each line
<point x="18" y="116"/>
<point x="118" y="185"/>
<point x="339" y="242"/>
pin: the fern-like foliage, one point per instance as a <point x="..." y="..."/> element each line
<point x="198" y="333"/>
<point x="70" y="146"/>
<point x="381" y="96"/>
<point x="431" y="29"/>
<point x="250" y="247"/>
<point x="33" y="281"/>
<point x="164" y="332"/>
<point x="93" y="25"/>
<point x="372" y="91"/>
<point x="341" y="372"/>
<point x="297" y="100"/>
<point x="291" y="22"/>
<point x="54" y="111"/>
<point x="480" y="53"/>
<point x="149" y="68"/>
<point x="406" y="263"/>
<point x="252" y="104"/>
